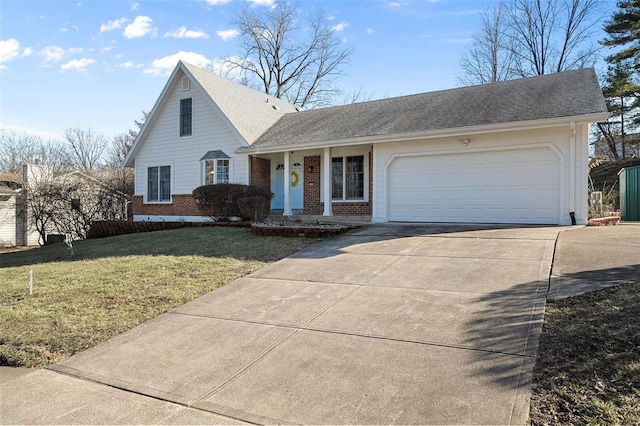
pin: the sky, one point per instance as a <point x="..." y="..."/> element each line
<point x="99" y="63"/>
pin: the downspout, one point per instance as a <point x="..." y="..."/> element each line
<point x="572" y="172"/>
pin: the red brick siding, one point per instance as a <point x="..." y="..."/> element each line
<point x="181" y="205"/>
<point x="260" y="172"/>
<point x="314" y="205"/>
<point x="312" y="202"/>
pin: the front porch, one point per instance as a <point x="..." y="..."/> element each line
<point x="328" y="185"/>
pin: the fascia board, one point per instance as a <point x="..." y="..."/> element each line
<point x="440" y="133"/>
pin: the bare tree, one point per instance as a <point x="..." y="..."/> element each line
<point x="19" y="149"/>
<point x="489" y="58"/>
<point x="523" y="38"/>
<point x="553" y="35"/>
<point x="287" y="60"/>
<point x="87" y="148"/>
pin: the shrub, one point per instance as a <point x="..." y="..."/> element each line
<point x="222" y="201"/>
<point x="255" y="208"/>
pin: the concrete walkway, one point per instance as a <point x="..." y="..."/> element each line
<point x="592" y="258"/>
<point x="392" y="324"/>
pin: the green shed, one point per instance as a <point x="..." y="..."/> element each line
<point x="629" y="180"/>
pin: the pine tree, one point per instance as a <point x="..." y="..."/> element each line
<point x="624" y="30"/>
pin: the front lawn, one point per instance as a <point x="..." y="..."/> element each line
<point x="114" y="284"/>
<point x="588" y="366"/>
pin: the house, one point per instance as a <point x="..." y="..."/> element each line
<point x="509" y="152"/>
<point x="40" y="203"/>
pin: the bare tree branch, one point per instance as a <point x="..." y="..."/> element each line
<point x="289" y="60"/>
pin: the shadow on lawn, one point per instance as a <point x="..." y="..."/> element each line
<point x="595" y="336"/>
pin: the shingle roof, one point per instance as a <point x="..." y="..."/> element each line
<point x="568" y="94"/>
<point x="251" y="112"/>
<point x="214" y="154"/>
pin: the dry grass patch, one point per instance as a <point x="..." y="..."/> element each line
<point x="588" y="366"/>
<point x="114" y="284"/>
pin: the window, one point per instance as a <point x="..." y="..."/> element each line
<point x="347" y="178"/>
<point x="185" y="117"/>
<point x="216" y="171"/>
<point x="159" y="183"/>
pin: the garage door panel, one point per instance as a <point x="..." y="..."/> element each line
<point x="517" y="186"/>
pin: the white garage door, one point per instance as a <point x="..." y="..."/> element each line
<point x="515" y="186"/>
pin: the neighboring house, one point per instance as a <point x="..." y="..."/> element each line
<point x="632" y="146"/>
<point x="509" y="152"/>
<point x="67" y="204"/>
<point x="12" y="232"/>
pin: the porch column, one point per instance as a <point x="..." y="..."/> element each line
<point x="287" y="186"/>
<point x="326" y="183"/>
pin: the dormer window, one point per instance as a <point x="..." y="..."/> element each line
<point x="185" y="117"/>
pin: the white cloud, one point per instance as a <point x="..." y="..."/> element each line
<point x="339" y="27"/>
<point x="134" y="6"/>
<point x="183" y="32"/>
<point x="9" y="49"/>
<point x="262" y="2"/>
<point x="64" y="29"/>
<point x="140" y="27"/>
<point x="128" y="64"/>
<point x="164" y="66"/>
<point x="52" y="54"/>
<point x="27" y="52"/>
<point x="370" y="30"/>
<point x="217" y="2"/>
<point x="79" y="65"/>
<point x="227" y="34"/>
<point x="113" y="25"/>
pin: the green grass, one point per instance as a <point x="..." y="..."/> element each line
<point x="114" y="284"/>
<point x="588" y="366"/>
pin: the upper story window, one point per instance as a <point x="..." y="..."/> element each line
<point x="159" y="184"/>
<point x="185" y="117"/>
<point x="216" y="167"/>
<point x="347" y="178"/>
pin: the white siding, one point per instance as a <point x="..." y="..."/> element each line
<point x="7" y="220"/>
<point x="557" y="139"/>
<point x="164" y="145"/>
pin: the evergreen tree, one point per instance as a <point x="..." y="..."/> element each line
<point x="624" y="30"/>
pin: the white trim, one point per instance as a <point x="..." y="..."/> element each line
<point x="326" y="182"/>
<point x="549" y="145"/>
<point x="572" y="167"/>
<point x="180" y="117"/>
<point x="287" y="185"/>
<point x="203" y="170"/>
<point x="432" y="134"/>
<point x="145" y="194"/>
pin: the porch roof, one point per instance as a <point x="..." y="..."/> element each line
<point x="568" y="94"/>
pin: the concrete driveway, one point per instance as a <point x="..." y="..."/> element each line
<point x="394" y="324"/>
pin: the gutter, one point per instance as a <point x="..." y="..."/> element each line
<point x="431" y="134"/>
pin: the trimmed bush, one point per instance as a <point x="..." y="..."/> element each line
<point x="255" y="208"/>
<point x="222" y="201"/>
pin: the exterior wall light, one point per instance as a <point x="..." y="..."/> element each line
<point x="464" y="142"/>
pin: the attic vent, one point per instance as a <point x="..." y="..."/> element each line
<point x="275" y="107"/>
<point x="186" y="84"/>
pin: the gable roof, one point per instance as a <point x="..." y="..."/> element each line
<point x="247" y="111"/>
<point x="568" y="94"/>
